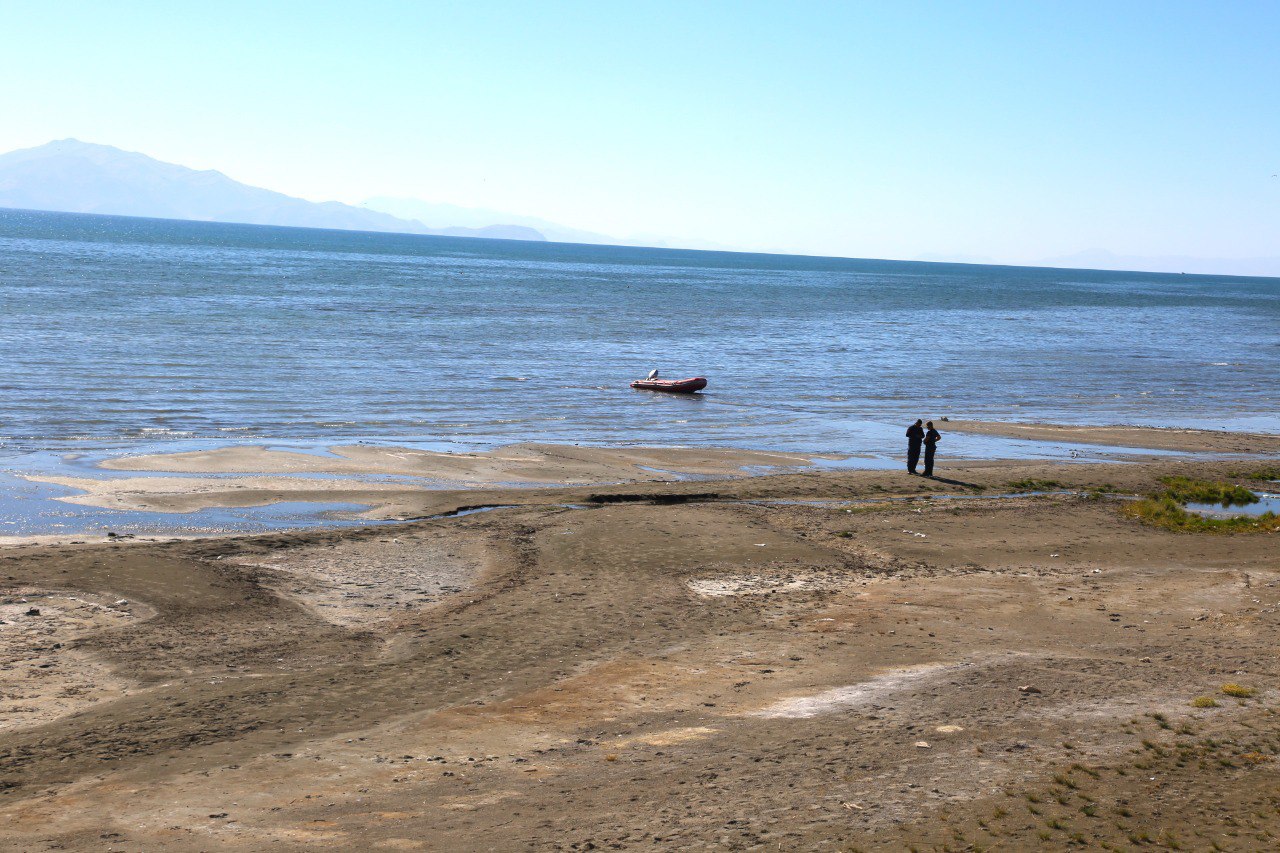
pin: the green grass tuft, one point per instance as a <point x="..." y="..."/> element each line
<point x="1269" y="472"/>
<point x="1186" y="490"/>
<point x="1097" y="493"/>
<point x="1169" y="513"/>
<point x="1031" y="484"/>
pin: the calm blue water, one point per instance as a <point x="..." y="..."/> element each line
<point x="118" y="329"/>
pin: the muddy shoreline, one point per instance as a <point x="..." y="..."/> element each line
<point x="792" y="661"/>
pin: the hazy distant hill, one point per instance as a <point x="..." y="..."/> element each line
<point x="81" y="177"/>
<point x="437" y="215"/>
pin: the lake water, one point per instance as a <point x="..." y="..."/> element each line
<point x="115" y="331"/>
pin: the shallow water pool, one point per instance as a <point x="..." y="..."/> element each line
<point x="1267" y="502"/>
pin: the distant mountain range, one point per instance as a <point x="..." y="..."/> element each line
<point x="81" y="177"/>
<point x="436" y="215"/>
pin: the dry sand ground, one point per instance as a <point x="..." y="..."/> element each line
<point x="674" y="667"/>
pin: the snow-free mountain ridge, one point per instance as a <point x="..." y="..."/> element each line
<point x="81" y="177"/>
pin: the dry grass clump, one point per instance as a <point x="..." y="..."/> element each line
<point x="1204" y="702"/>
<point x="1238" y="690"/>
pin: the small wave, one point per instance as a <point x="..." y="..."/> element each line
<point x="510" y="378"/>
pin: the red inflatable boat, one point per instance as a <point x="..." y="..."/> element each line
<point x="675" y="386"/>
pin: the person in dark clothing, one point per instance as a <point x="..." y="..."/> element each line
<point x="915" y="437"/>
<point x="931" y="439"/>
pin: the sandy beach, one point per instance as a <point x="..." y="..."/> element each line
<point x="816" y="659"/>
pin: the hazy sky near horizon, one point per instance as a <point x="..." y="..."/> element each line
<point x="1011" y="131"/>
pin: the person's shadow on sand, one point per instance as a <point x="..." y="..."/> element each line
<point x="938" y="479"/>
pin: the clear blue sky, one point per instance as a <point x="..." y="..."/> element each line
<point x="1014" y="131"/>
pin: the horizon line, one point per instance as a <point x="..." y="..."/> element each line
<point x="545" y="242"/>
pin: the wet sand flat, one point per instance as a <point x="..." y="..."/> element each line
<point x="1182" y="440"/>
<point x="517" y="463"/>
<point x="813" y="660"/>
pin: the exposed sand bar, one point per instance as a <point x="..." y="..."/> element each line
<point x="186" y="494"/>
<point x="350" y="475"/>
<point x="513" y="464"/>
<point x="1152" y="438"/>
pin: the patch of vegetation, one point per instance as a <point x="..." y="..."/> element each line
<point x="1204" y="702"/>
<point x="1269" y="472"/>
<point x="1170" y="513"/>
<point x="1238" y="690"/>
<point x="1096" y="493"/>
<point x="1186" y="490"/>
<point x="1031" y="484"/>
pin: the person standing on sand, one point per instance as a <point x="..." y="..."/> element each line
<point x="915" y="436"/>
<point x="931" y="439"/>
